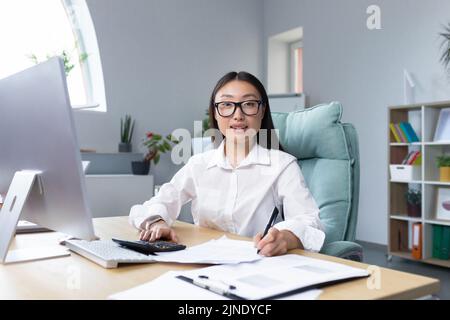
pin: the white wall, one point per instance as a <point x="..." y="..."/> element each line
<point x="161" y="60"/>
<point x="363" y="69"/>
<point x="277" y="64"/>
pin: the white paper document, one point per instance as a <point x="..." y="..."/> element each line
<point x="168" y="287"/>
<point x="271" y="277"/>
<point x="284" y="277"/>
<point x="109" y="254"/>
<point x="219" y="251"/>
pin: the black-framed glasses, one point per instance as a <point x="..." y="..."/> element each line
<point x="248" y="107"/>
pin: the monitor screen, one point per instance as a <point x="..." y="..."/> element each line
<point x="37" y="132"/>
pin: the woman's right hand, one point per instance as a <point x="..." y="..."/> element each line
<point x="158" y="230"/>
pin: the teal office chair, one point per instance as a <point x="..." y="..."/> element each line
<point x="327" y="152"/>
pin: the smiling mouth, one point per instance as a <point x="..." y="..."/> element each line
<point x="239" y="129"/>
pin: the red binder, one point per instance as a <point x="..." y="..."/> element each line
<point x="417" y="240"/>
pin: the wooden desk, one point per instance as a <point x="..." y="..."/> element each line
<point x="75" y="277"/>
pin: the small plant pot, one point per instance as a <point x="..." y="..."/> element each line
<point x="413" y="210"/>
<point x="444" y="174"/>
<point x="140" y="167"/>
<point x="124" y="147"/>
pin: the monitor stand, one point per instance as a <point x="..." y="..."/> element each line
<point x="14" y="202"/>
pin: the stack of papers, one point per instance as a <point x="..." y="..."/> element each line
<point x="289" y="276"/>
<point x="168" y="287"/>
<point x="220" y="251"/>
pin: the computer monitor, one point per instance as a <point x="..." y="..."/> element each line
<point x="38" y="143"/>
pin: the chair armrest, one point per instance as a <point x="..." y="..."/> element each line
<point x="344" y="249"/>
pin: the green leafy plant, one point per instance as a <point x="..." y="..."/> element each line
<point x="156" y="144"/>
<point x="445" y="58"/>
<point x="67" y="59"/>
<point x="413" y="197"/>
<point x="443" y="161"/>
<point x="126" y="129"/>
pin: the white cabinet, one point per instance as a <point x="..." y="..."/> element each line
<point x="114" y="195"/>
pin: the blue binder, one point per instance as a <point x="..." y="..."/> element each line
<point x="409" y="131"/>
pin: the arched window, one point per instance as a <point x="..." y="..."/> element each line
<point x="31" y="31"/>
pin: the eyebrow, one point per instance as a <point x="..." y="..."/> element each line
<point x="244" y="96"/>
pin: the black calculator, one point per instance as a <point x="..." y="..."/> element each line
<point x="147" y="248"/>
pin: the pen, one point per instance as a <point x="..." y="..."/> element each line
<point x="270" y="224"/>
<point x="208" y="285"/>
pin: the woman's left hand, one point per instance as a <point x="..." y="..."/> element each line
<point x="276" y="242"/>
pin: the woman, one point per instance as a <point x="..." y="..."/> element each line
<point x="235" y="187"/>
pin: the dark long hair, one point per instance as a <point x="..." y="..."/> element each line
<point x="266" y="122"/>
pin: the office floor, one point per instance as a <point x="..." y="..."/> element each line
<point x="376" y="254"/>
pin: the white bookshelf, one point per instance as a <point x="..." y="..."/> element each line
<point x="423" y="118"/>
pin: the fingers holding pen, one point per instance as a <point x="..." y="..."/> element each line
<point x="273" y="244"/>
<point x="256" y="239"/>
<point x="268" y="238"/>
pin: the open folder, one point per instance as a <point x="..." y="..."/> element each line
<point x="168" y="287"/>
<point x="270" y="278"/>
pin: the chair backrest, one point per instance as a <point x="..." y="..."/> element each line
<point x="328" y="154"/>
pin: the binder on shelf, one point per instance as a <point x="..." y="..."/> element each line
<point x="403" y="130"/>
<point x="394" y="132"/>
<point x="412" y="136"/>
<point x="437" y="237"/>
<point x="445" y="244"/>
<point x="417" y="241"/>
<point x="412" y="158"/>
<point x="406" y="159"/>
<point x="418" y="160"/>
<point x="400" y="133"/>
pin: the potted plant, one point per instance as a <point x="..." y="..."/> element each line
<point x="443" y="163"/>
<point x="413" y="203"/>
<point x="67" y="59"/>
<point x="155" y="145"/>
<point x="126" y="134"/>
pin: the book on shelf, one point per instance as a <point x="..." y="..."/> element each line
<point x="441" y="242"/>
<point x="445" y="244"/>
<point x="410" y="133"/>
<point x="403" y="132"/>
<point x="400" y="133"/>
<point x="418" y="160"/>
<point x="413" y="158"/>
<point x="394" y="132"/>
<point x="417" y="241"/>
<point x="437" y="237"/>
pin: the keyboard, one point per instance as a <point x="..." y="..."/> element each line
<point x="107" y="253"/>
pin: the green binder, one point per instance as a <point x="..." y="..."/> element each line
<point x="437" y="238"/>
<point x="445" y="243"/>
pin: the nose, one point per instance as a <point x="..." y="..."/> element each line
<point x="238" y="114"/>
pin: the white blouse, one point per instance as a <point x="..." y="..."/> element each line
<point x="238" y="200"/>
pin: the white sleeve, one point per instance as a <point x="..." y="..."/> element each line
<point x="300" y="209"/>
<point x="169" y="200"/>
